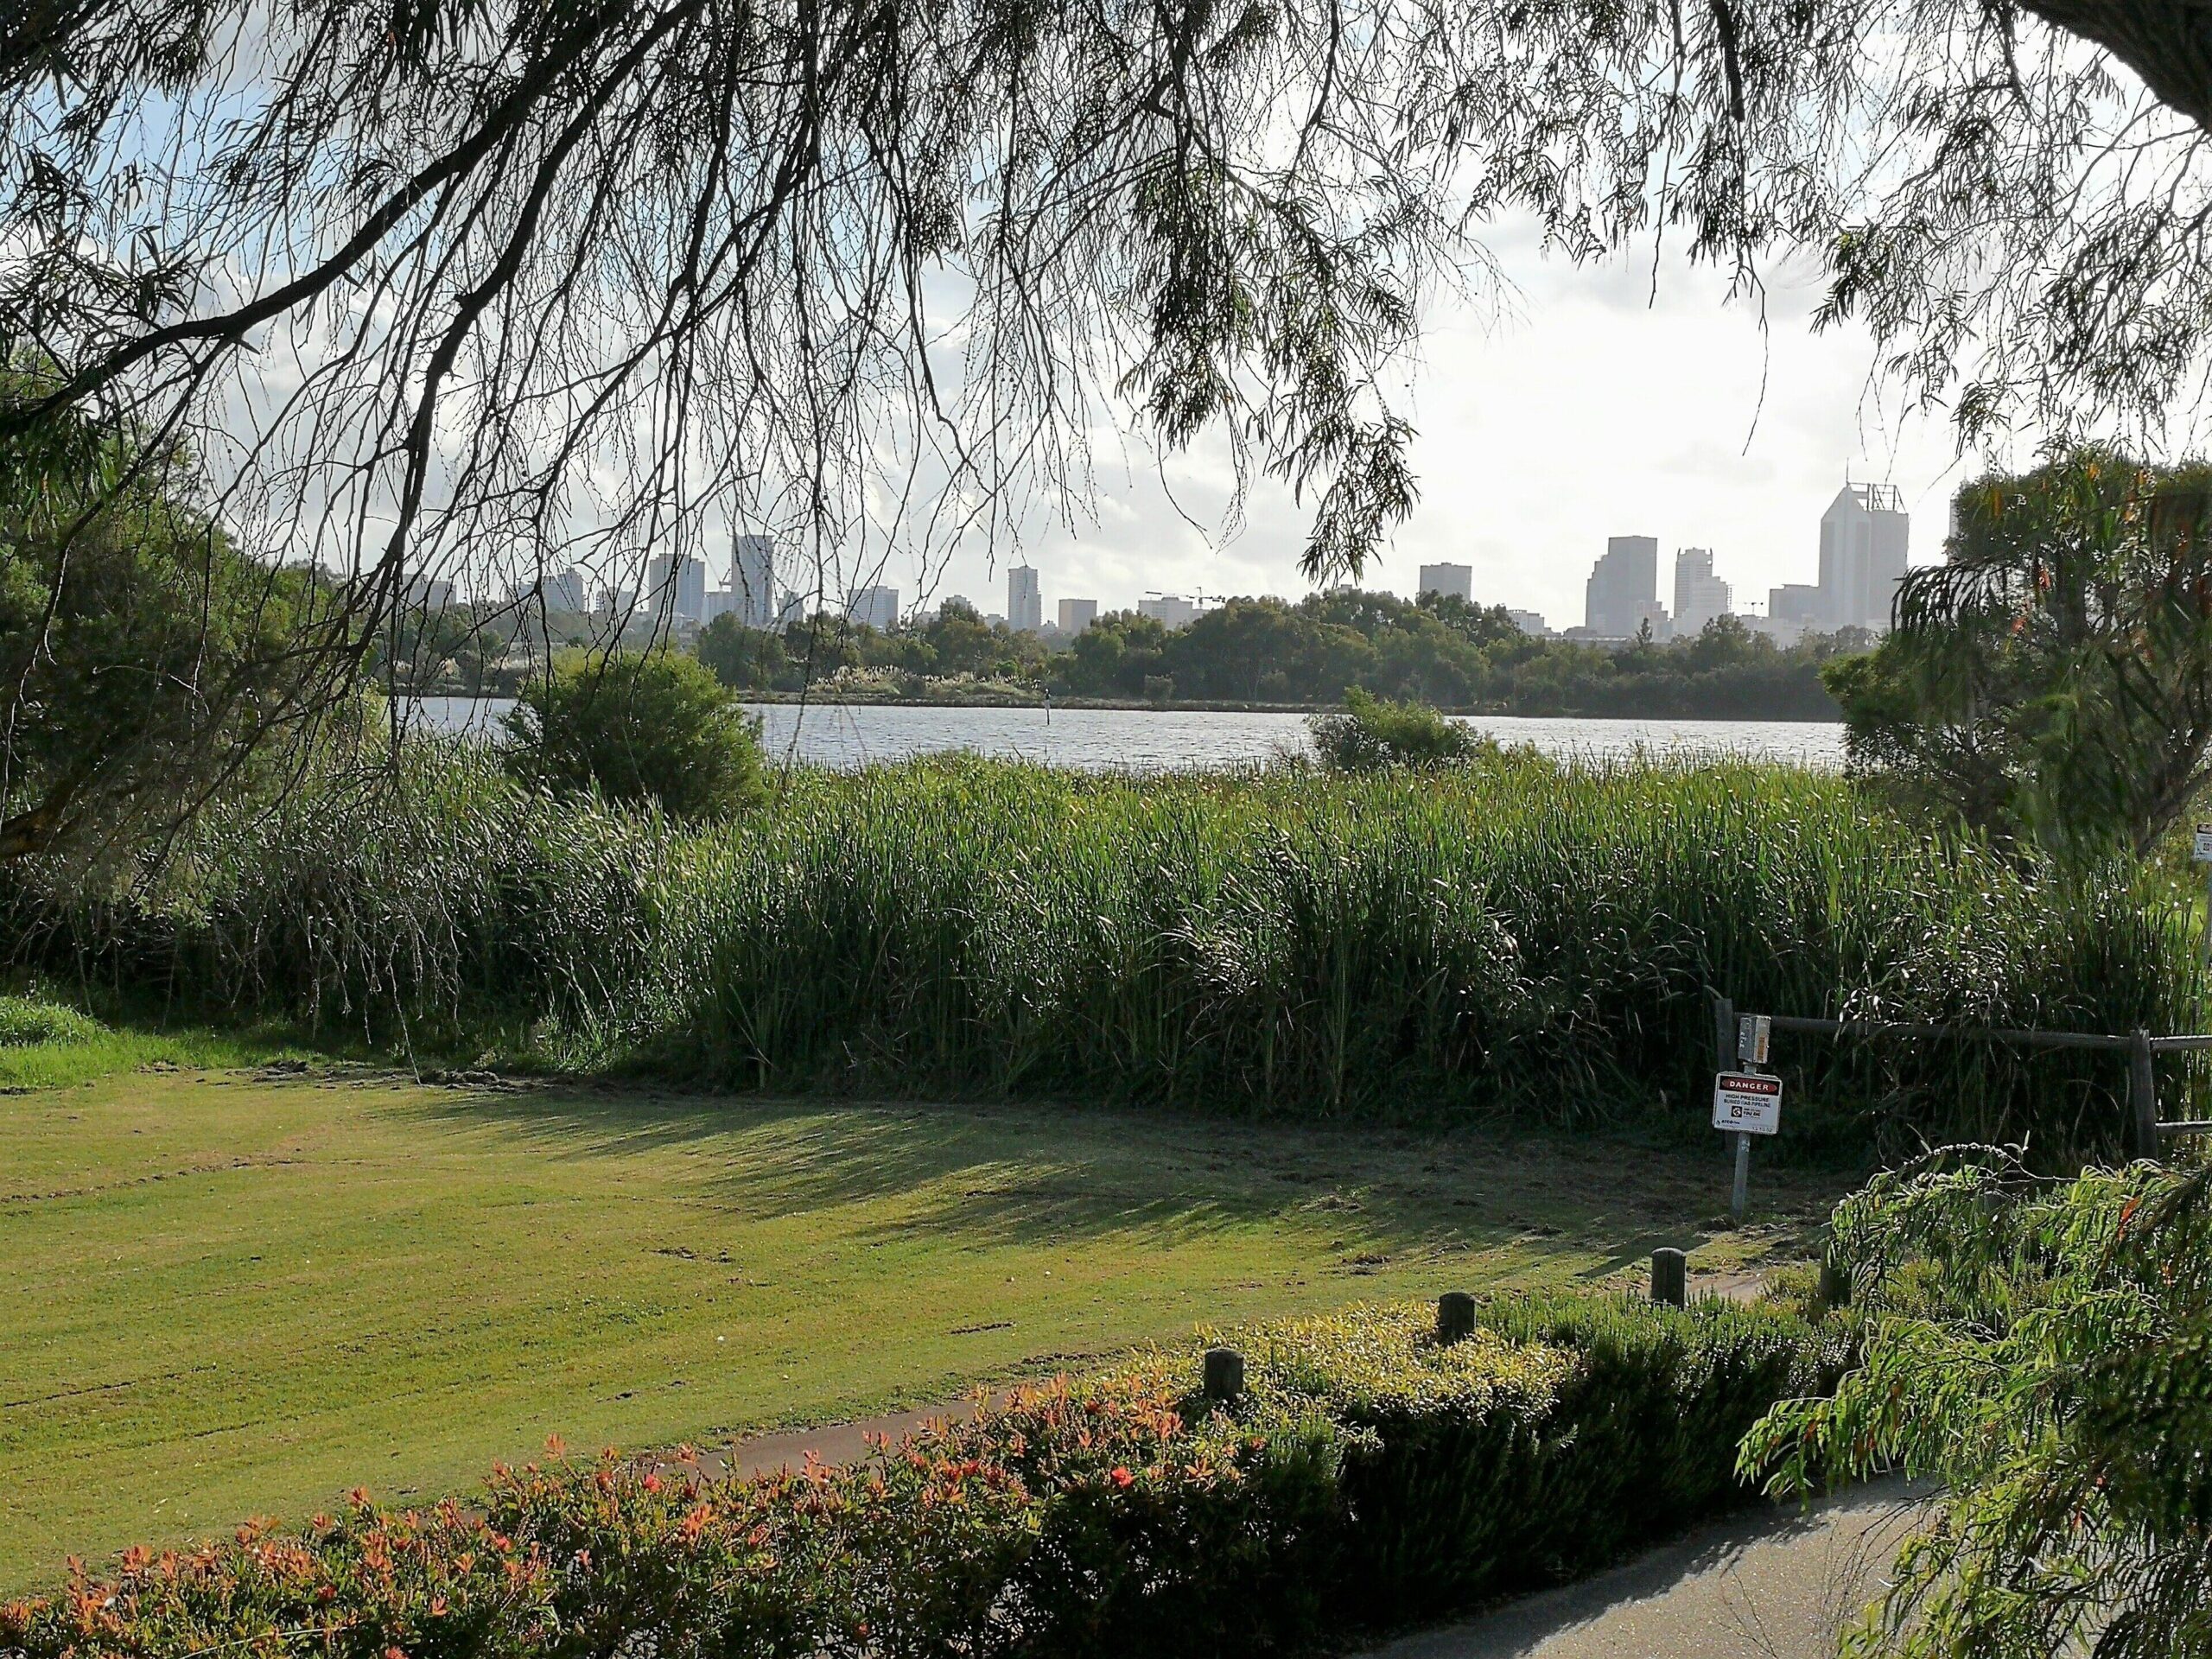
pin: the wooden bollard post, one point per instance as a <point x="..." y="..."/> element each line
<point x="1670" y="1277"/>
<point x="1225" y="1375"/>
<point x="1455" y="1317"/>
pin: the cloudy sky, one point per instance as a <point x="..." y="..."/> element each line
<point x="1588" y="408"/>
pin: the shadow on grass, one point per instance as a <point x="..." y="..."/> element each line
<point x="1033" y="1174"/>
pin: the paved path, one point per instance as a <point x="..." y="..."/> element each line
<point x="1774" y="1583"/>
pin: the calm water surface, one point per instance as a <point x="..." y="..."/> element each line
<point x="837" y="734"/>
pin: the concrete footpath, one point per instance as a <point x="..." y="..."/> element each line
<point x="1775" y="1583"/>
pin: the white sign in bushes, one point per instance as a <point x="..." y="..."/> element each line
<point x="1745" y="1103"/>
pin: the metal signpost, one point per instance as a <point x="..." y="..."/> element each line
<point x="1746" y="1103"/>
<point x="2202" y="849"/>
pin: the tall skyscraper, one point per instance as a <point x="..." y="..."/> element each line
<point x="874" y="607"/>
<point x="675" y="588"/>
<point x="1623" y="588"/>
<point x="1025" y="607"/>
<point x="1077" y="614"/>
<point x="1699" y="597"/>
<point x="1863" y="541"/>
<point x="1449" y="581"/>
<point x="753" y="580"/>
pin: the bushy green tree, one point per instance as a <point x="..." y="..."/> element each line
<point x="2042" y="1353"/>
<point x="143" y="656"/>
<point x="745" y="659"/>
<point x="639" y="727"/>
<point x="2052" y="678"/>
<point x="1370" y="732"/>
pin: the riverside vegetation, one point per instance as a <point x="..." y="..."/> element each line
<point x="1505" y="935"/>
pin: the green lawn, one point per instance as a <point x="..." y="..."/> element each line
<point x="240" y="1292"/>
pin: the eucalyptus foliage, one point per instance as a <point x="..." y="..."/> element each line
<point x="2043" y="1353"/>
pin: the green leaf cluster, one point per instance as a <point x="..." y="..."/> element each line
<point x="2039" y="1351"/>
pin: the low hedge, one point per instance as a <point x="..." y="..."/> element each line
<point x="1367" y="1476"/>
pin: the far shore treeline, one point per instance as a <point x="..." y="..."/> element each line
<point x="1261" y="652"/>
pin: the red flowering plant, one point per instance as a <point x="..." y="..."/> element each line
<point x="656" y="1553"/>
<point x="369" y="1584"/>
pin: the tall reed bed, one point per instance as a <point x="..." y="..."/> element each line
<point x="1511" y="936"/>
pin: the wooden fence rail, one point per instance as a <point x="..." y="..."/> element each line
<point x="2145" y="1130"/>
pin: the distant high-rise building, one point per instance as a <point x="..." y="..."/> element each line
<point x="1171" y="611"/>
<point x="675" y="588"/>
<point x="1025" y="607"/>
<point x="874" y="607"/>
<point x="1623" y="588"/>
<point x="569" y="591"/>
<point x="1863" y="541"/>
<point x="1699" y="597"/>
<point x="1448" y="581"/>
<point x="1077" y="614"/>
<point x="1529" y="622"/>
<point x="753" y="580"/>
<point x="563" y="591"/>
<point x="1797" y="602"/>
<point x="791" y="608"/>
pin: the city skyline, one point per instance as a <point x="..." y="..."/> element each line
<point x="1733" y="432"/>
<point x="1862" y="549"/>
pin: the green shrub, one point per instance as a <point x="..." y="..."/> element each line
<point x="1367" y="1476"/>
<point x="639" y="728"/>
<point x="1370" y="732"/>
<point x="26" y="1021"/>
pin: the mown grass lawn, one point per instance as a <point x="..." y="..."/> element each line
<point x="242" y="1293"/>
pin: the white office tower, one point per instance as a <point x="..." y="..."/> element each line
<point x="1077" y="614"/>
<point x="1699" y="597"/>
<point x="566" y="592"/>
<point x="1171" y="611"/>
<point x="1448" y="581"/>
<point x="675" y="588"/>
<point x="1863" y="540"/>
<point x="1529" y="622"/>
<point x="753" y="580"/>
<point x="1623" y="593"/>
<point x="874" y="607"/>
<point x="1025" y="608"/>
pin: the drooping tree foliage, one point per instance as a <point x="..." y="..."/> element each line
<point x="2039" y="1353"/>
<point x="2052" y="679"/>
<point x="432" y="283"/>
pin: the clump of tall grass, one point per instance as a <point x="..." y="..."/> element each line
<point x="1507" y="936"/>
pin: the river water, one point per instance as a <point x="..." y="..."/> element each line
<point x="848" y="734"/>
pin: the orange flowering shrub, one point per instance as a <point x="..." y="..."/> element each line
<point x="1366" y="1474"/>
